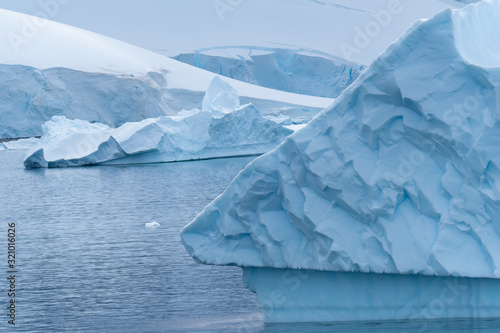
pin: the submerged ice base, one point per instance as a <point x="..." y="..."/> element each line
<point x="291" y="295"/>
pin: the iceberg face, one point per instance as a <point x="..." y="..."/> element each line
<point x="189" y="136"/>
<point x="400" y="175"/>
<point x="113" y="99"/>
<point x="96" y="97"/>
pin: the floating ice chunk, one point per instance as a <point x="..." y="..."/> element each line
<point x="220" y="97"/>
<point x="189" y="136"/>
<point x="153" y="224"/>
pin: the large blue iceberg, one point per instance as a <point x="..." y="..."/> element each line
<point x="395" y="187"/>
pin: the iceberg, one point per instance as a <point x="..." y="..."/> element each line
<point x="215" y="132"/>
<point x="153" y="224"/>
<point x="387" y="204"/>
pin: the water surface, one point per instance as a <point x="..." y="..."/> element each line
<point x="88" y="263"/>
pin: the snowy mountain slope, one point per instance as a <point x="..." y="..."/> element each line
<point x="51" y="69"/>
<point x="320" y="38"/>
<point x="400" y="175"/>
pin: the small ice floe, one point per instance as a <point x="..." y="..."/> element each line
<point x="153" y="224"/>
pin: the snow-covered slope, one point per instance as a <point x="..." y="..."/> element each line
<point x="401" y="175"/>
<point x="54" y="69"/>
<point x="221" y="129"/>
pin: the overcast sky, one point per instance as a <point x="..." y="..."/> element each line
<point x="187" y="25"/>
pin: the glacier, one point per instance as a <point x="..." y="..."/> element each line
<point x="396" y="183"/>
<point x="222" y="128"/>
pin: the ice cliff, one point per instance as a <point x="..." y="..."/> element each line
<point x="29" y="97"/>
<point x="400" y="175"/>
<point x="222" y="128"/>
<point x="297" y="71"/>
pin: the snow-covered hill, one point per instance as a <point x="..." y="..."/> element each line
<point x="48" y="68"/>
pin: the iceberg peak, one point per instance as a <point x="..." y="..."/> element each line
<point x="220" y="97"/>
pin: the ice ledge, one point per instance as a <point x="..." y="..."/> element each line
<point x="289" y="295"/>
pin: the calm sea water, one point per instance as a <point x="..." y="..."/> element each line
<point x="88" y="263"/>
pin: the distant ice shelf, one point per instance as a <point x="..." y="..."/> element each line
<point x="293" y="70"/>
